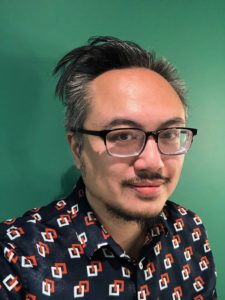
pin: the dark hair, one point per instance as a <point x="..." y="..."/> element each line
<point x="82" y="65"/>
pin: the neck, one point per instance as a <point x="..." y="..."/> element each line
<point x="129" y="235"/>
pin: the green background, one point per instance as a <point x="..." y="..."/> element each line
<point x="35" y="162"/>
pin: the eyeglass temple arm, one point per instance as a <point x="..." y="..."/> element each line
<point x="101" y="133"/>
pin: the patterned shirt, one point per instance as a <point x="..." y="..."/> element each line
<point x="62" y="252"/>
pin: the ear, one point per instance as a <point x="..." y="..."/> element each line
<point x="74" y="148"/>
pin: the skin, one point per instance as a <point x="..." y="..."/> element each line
<point x="131" y="190"/>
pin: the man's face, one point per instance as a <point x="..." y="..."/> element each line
<point x="134" y="188"/>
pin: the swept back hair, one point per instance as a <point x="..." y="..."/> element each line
<point x="103" y="53"/>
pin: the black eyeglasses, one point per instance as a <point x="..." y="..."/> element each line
<point x="127" y="142"/>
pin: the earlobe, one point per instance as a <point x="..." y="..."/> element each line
<point x="74" y="146"/>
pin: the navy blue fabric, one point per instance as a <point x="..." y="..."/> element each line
<point x="62" y="252"/>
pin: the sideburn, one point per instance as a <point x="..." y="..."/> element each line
<point x="83" y="169"/>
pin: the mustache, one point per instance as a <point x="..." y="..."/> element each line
<point x="145" y="177"/>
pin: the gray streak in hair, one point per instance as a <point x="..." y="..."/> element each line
<point x="81" y="66"/>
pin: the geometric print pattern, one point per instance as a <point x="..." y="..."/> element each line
<point x="61" y="250"/>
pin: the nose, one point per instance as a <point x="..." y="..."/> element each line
<point x="150" y="158"/>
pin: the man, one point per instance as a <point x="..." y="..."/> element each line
<point x="117" y="236"/>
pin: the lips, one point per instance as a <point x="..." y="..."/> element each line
<point x="147" y="188"/>
<point x="149" y="183"/>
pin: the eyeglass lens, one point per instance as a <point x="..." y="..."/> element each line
<point x="174" y="141"/>
<point x="130" y="142"/>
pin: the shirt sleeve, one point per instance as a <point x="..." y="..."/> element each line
<point x="206" y="263"/>
<point x="11" y="286"/>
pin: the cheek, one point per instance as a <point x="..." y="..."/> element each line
<point x="101" y="168"/>
<point x="175" y="166"/>
<point x="94" y="162"/>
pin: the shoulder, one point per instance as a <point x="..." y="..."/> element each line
<point x="34" y="221"/>
<point x="186" y="228"/>
<point x="23" y="246"/>
<point x="186" y="224"/>
<point x="188" y="237"/>
<point x="27" y="240"/>
<point x="178" y="214"/>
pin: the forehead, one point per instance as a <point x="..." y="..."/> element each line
<point x="135" y="94"/>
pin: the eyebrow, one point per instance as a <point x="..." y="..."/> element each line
<point x="118" y="122"/>
<point x="131" y="123"/>
<point x="174" y="121"/>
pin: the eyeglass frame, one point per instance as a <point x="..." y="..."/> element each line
<point x="153" y="133"/>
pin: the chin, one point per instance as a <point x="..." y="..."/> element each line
<point x="142" y="215"/>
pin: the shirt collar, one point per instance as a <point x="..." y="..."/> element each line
<point x="93" y="236"/>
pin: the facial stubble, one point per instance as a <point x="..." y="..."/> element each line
<point x="143" y="219"/>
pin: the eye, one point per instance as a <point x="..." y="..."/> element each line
<point x="122" y="136"/>
<point x="170" y="134"/>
